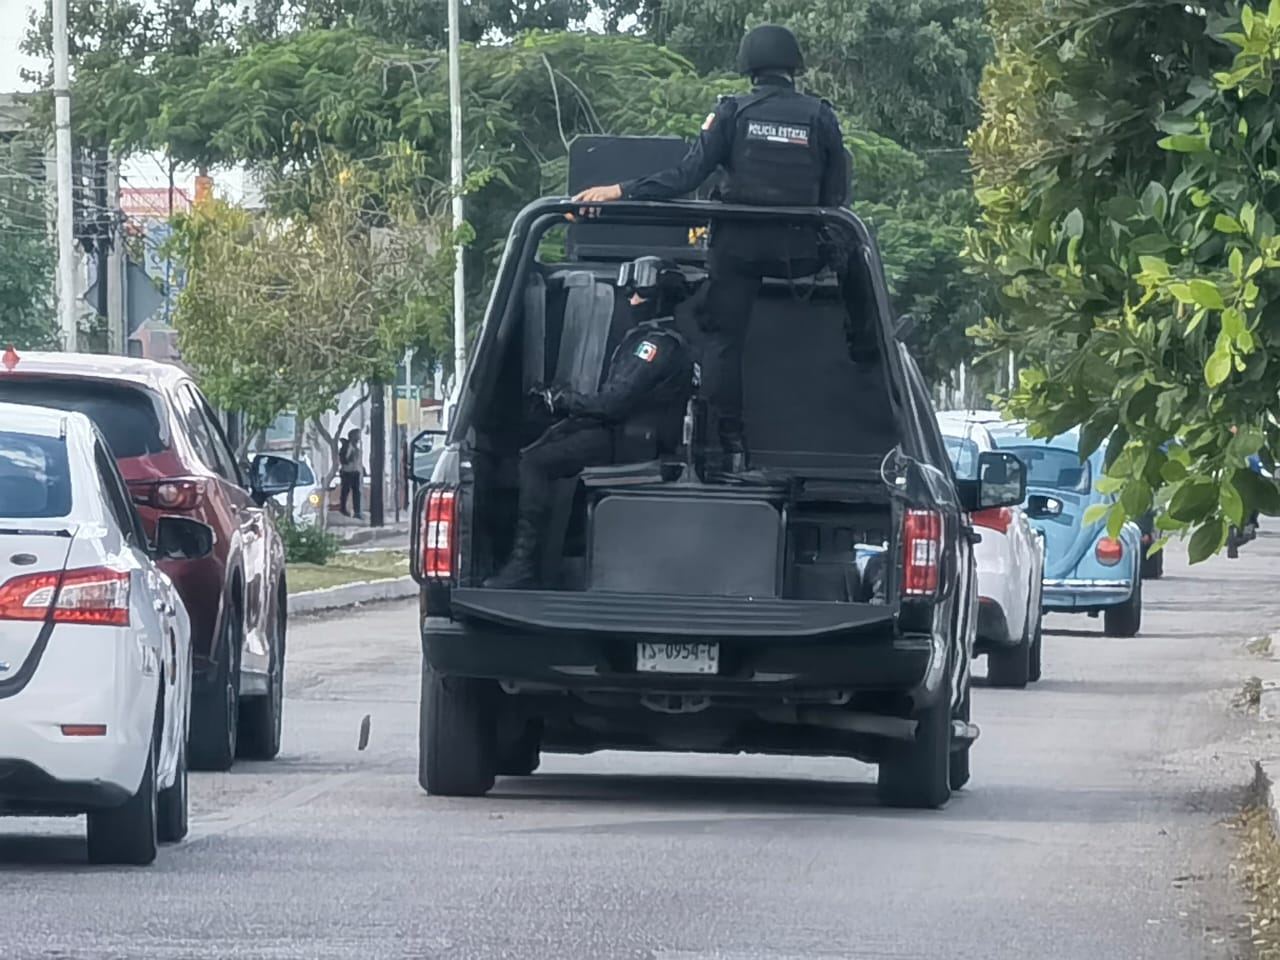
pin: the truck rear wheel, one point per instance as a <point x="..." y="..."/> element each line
<point x="920" y="776"/>
<point x="456" y="750"/>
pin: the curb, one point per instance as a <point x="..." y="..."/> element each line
<point x="350" y="535"/>
<point x="351" y="594"/>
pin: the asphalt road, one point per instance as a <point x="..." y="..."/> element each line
<point x="1093" y="828"/>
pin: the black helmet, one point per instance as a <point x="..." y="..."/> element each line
<point x="770" y="47"/>
<point x="654" y="278"/>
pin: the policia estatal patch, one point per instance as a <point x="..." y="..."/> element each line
<point x="793" y="134"/>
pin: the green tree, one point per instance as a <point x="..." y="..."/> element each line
<point x="27" y="258"/>
<point x="1127" y="172"/>
<point x="285" y="314"/>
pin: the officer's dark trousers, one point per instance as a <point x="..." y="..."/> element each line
<point x="563" y="451"/>
<point x="731" y="295"/>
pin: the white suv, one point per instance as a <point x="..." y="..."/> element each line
<point x="1010" y="562"/>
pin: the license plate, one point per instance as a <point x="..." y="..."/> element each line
<point x="678" y="657"/>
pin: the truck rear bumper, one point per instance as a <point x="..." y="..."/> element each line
<point x="752" y="668"/>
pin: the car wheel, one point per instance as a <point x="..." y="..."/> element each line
<point x="215" y="710"/>
<point x="127" y="834"/>
<point x="1124" y="620"/>
<point x="262" y="718"/>
<point x="1153" y="567"/>
<point x="958" y="769"/>
<point x="920" y="776"/>
<point x="456" y="750"/>
<point x="523" y="755"/>
<point x="172" y="812"/>
<point x="1037" y="644"/>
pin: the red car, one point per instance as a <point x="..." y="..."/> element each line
<point x="176" y="459"/>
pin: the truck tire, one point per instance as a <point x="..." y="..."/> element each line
<point x="521" y="757"/>
<point x="456" y="749"/>
<point x="920" y="776"/>
<point x="958" y="770"/>
<point x="1010" y="666"/>
<point x="1124" y="620"/>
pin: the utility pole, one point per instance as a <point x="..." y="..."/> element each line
<point x="377" y="450"/>
<point x="117" y="326"/>
<point x="67" y="293"/>
<point x="455" y="165"/>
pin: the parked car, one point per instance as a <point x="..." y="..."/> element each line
<point x="1010" y="559"/>
<point x="176" y="460"/>
<point x="95" y="641"/>
<point x="1086" y="571"/>
<point x="307" y="496"/>
<point x="825" y="608"/>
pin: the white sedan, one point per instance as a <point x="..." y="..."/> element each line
<point x="1010" y="562"/>
<point x="95" y="646"/>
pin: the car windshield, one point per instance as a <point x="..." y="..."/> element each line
<point x="964" y="457"/>
<point x="1054" y="468"/>
<point x="35" y="478"/>
<point x="126" y="415"/>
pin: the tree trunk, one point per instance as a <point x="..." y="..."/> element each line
<point x="331" y="442"/>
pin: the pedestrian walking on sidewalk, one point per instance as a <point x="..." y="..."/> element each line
<point x="352" y="472"/>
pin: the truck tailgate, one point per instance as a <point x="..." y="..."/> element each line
<point x="666" y="615"/>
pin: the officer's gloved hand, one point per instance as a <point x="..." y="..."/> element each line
<point x="545" y="397"/>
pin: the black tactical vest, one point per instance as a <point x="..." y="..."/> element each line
<point x="775" y="160"/>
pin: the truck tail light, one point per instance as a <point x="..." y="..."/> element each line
<point x="88" y="595"/>
<point x="178" y="493"/>
<point x="997" y="518"/>
<point x="438" y="535"/>
<point x="922" y="552"/>
<point x="1109" y="552"/>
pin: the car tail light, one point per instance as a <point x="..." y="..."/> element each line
<point x="1109" y="552"/>
<point x="997" y="518"/>
<point x="437" y="535"/>
<point x="922" y="552"/>
<point x="179" y="493"/>
<point x="89" y="595"/>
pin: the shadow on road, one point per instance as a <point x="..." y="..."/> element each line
<point x="22" y="852"/>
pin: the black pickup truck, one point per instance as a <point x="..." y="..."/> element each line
<point x="825" y="608"/>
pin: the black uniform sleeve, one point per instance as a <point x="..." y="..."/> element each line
<point x="631" y="381"/>
<point x="711" y="150"/>
<point x="837" y="177"/>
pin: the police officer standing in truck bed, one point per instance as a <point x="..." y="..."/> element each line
<point x="777" y="147"/>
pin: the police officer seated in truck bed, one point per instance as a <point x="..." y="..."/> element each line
<point x="777" y="147"/>
<point x="637" y="414"/>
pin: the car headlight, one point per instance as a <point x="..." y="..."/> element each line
<point x="314" y="499"/>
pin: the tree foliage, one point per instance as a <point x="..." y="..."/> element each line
<point x="1127" y="172"/>
<point x="27" y="257"/>
<point x="286" y="314"/>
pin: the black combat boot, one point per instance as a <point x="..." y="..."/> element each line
<point x="520" y="572"/>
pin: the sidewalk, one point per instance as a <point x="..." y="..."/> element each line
<point x="354" y="532"/>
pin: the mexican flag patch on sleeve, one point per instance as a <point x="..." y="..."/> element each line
<point x="647" y="351"/>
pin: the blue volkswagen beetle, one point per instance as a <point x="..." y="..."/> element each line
<point x="1085" y="571"/>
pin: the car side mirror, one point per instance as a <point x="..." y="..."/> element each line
<point x="271" y="475"/>
<point x="1002" y="482"/>
<point x="179" y="538"/>
<point x="424" y="451"/>
<point x="1040" y="506"/>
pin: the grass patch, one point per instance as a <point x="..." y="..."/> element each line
<point x="1260" y="646"/>
<point x="348" y="568"/>
<point x="1249" y="696"/>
